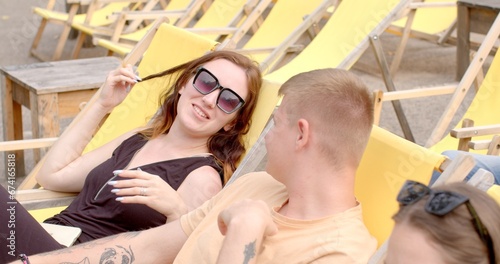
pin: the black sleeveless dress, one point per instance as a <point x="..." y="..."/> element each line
<point x="95" y="209"/>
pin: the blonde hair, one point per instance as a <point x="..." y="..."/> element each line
<point x="455" y="232"/>
<point x="339" y="105"/>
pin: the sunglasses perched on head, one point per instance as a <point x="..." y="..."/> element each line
<point x="441" y="203"/>
<point x="205" y="82"/>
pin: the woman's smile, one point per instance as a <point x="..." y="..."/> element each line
<point x="200" y="112"/>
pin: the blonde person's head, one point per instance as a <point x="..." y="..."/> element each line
<point x="454" y="234"/>
<point x="340" y="108"/>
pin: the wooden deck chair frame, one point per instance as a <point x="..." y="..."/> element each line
<point x="353" y="53"/>
<point x="85" y="28"/>
<point x="240" y="24"/>
<point x="134" y="18"/>
<point x="66" y="19"/>
<point x="468" y="131"/>
<point x="458" y="91"/>
<point x="407" y="32"/>
<point x="262" y="54"/>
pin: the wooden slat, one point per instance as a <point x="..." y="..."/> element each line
<point x="27" y="144"/>
<point x="475" y="131"/>
<point x="52" y="77"/>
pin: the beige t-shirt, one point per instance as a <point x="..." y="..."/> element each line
<point x="341" y="238"/>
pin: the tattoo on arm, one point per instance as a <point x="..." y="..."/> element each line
<point x="117" y="254"/>
<point x="249" y="252"/>
<point x="84" y="261"/>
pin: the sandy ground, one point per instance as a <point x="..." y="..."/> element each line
<point x="424" y="63"/>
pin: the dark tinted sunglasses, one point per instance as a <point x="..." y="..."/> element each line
<point x="205" y="82"/>
<point x="441" y="203"/>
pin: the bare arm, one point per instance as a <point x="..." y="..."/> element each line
<point x="156" y="245"/>
<point x="64" y="168"/>
<point x="148" y="189"/>
<point x="244" y="225"/>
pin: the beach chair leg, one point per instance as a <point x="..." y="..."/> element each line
<point x="463" y="143"/>
<point x="377" y="106"/>
<point x="494" y="148"/>
<point x="38" y="36"/>
<point x="398" y="56"/>
<point x="403" y="122"/>
<point x="78" y="45"/>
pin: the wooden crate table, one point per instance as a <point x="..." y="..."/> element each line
<point x="51" y="91"/>
<point x="472" y="16"/>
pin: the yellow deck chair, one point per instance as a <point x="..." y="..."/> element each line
<point x="173" y="11"/>
<point x="483" y="110"/>
<point x="494" y="192"/>
<point x="222" y="18"/>
<point x="387" y="163"/>
<point x="432" y="20"/>
<point x="49" y="15"/>
<point x="343" y="39"/>
<point x="286" y="18"/>
<point x="485" y="102"/>
<point x="185" y="47"/>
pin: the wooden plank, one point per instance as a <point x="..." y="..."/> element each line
<point x="27" y="144"/>
<point x="475" y="131"/>
<point x="62" y="76"/>
<point x="494" y="148"/>
<point x="12" y="130"/>
<point x="69" y="102"/>
<point x="48" y="115"/>
<point x="384" y="68"/>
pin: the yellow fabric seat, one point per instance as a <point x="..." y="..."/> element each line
<point x="219" y="15"/>
<point x="388" y="161"/>
<point x="99" y="18"/>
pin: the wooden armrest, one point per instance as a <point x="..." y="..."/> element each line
<point x="150" y="15"/>
<point x="432" y="5"/>
<point x="79" y="2"/>
<point x="419" y="92"/>
<point x="466" y="132"/>
<point x="215" y="30"/>
<point x="479" y="144"/>
<point x="493" y="145"/>
<point x="27" y="144"/>
<point x="482" y="179"/>
<point x="40" y="198"/>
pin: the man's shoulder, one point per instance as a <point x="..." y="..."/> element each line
<point x="255" y="182"/>
<point x="258" y="177"/>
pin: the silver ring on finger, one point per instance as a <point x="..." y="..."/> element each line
<point x="143" y="191"/>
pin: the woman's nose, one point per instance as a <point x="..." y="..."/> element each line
<point x="211" y="99"/>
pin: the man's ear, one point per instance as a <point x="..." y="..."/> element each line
<point x="303" y="133"/>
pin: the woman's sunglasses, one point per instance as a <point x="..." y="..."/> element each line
<point x="441" y="203"/>
<point x="205" y="82"/>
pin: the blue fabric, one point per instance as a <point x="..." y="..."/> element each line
<point x="488" y="162"/>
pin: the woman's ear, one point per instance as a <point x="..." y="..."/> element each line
<point x="182" y="89"/>
<point x="229" y="126"/>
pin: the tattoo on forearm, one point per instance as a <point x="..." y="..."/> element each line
<point x="117" y="255"/>
<point x="84" y="261"/>
<point x="111" y="255"/>
<point x="249" y="252"/>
